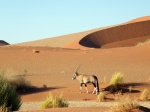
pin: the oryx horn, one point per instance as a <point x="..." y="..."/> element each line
<point x="78" y="67"/>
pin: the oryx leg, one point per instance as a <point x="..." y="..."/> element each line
<point x="95" y="88"/>
<point x="80" y="88"/>
<point x="86" y="89"/>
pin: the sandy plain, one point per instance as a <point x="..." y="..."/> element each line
<point x="50" y="70"/>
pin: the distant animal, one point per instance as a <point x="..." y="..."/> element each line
<point x="85" y="79"/>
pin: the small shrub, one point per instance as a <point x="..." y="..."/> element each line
<point x="117" y="79"/>
<point x="101" y="96"/>
<point x="125" y="105"/>
<point x="144" y="95"/>
<point x="25" y="71"/>
<point x="118" y="95"/>
<point x="9" y="98"/>
<point x="130" y="89"/>
<point x="53" y="102"/>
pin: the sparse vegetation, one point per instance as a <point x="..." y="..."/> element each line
<point x="9" y="98"/>
<point x="53" y="102"/>
<point x="25" y="71"/>
<point x="118" y="95"/>
<point x="124" y="104"/>
<point x="101" y="96"/>
<point x="116" y="80"/>
<point x="130" y="89"/>
<point x="143" y="43"/>
<point x="144" y="95"/>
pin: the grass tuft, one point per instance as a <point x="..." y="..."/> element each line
<point x="53" y="102"/>
<point x="124" y="104"/>
<point x="101" y="96"/>
<point x="116" y="80"/>
<point x="144" y="95"/>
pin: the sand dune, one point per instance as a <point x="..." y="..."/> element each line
<point x="60" y="41"/>
<point x="2" y="43"/>
<point x="145" y="18"/>
<point x="123" y="35"/>
<point x="127" y="33"/>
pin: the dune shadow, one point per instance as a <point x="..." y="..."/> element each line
<point x="105" y="38"/>
<point x="124" y="88"/>
<point x="87" y="42"/>
<point x="135" y="84"/>
<point x="34" y="89"/>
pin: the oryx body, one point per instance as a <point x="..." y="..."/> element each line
<point x="85" y="79"/>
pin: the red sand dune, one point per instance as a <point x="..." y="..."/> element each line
<point x="2" y="43"/>
<point x="140" y="19"/>
<point x="127" y="35"/>
<point x="60" y="41"/>
<point x="123" y="35"/>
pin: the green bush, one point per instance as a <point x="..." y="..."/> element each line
<point x="53" y="102"/>
<point x="9" y="98"/>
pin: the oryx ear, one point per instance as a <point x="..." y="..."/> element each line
<point x="76" y="73"/>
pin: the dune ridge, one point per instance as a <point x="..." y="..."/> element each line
<point x="144" y="18"/>
<point x="59" y="41"/>
<point x="117" y="34"/>
<point x="122" y="35"/>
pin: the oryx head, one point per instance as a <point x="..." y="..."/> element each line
<point x="76" y="72"/>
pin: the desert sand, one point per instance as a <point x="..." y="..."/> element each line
<point x="101" y="52"/>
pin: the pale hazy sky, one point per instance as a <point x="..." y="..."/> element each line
<point x="27" y="20"/>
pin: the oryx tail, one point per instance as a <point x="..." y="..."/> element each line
<point x="97" y="84"/>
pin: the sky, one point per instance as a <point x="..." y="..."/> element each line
<point x="29" y="20"/>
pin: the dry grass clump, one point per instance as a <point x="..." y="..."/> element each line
<point x="143" y="43"/>
<point x="101" y="96"/>
<point x="53" y="102"/>
<point x="144" y="95"/>
<point x="124" y="104"/>
<point x="130" y="89"/>
<point x="116" y="80"/>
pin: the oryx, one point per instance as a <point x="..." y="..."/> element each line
<point x="85" y="79"/>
